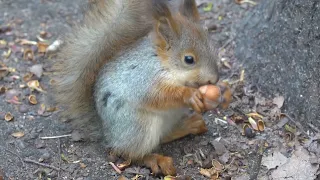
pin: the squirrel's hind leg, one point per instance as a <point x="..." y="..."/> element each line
<point x="192" y="125"/>
<point x="159" y="163"/>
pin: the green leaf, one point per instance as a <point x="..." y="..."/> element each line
<point x="208" y="7"/>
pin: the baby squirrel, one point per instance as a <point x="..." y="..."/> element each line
<point x="136" y="67"/>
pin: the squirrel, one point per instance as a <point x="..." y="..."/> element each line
<point x="135" y="67"/>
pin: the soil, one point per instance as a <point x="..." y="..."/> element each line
<point x="22" y="152"/>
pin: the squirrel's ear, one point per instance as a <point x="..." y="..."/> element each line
<point x="189" y="9"/>
<point x="163" y="16"/>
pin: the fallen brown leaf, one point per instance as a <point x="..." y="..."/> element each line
<point x="42" y="47"/>
<point x="42" y="109"/>
<point x="278" y="101"/>
<point x="8" y="116"/>
<point x="28" y="54"/>
<point x="14" y="100"/>
<point x="33" y="99"/>
<point x="18" y="134"/>
<point x="82" y="165"/>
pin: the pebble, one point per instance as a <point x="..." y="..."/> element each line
<point x="39" y="143"/>
<point x="45" y="156"/>
<point x="73" y="167"/>
<point x="23" y="108"/>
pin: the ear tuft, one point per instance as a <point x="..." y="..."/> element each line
<point x="160" y="10"/>
<point x="189" y="9"/>
<point x="165" y="23"/>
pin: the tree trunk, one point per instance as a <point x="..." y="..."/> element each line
<point x="279" y="45"/>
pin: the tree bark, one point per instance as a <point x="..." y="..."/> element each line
<point x="279" y="46"/>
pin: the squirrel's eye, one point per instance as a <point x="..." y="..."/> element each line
<point x="189" y="59"/>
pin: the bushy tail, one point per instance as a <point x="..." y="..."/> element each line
<point x="108" y="26"/>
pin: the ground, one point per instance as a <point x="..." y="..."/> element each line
<point x="24" y="155"/>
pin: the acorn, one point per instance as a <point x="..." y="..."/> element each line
<point x="212" y="95"/>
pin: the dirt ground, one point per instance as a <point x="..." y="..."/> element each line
<point x="284" y="150"/>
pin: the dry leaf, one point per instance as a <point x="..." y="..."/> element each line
<point x="169" y="177"/>
<point x="51" y="109"/>
<point x="278" y="101"/>
<point x="42" y="109"/>
<point x="52" y="81"/>
<point x="210" y="173"/>
<point x="43" y="34"/>
<point x="255" y="115"/>
<point x="208" y="7"/>
<point x="261" y="125"/>
<point x="3" y="89"/>
<point x="7" y="54"/>
<point x="14" y="100"/>
<point x="217" y="165"/>
<point x="82" y="165"/>
<point x="8" y="116"/>
<point x="27" y="42"/>
<point x="34" y="84"/>
<point x="27" y="77"/>
<point x="33" y="99"/>
<point x="18" y="134"/>
<point x="28" y="54"/>
<point x="253" y="123"/>
<point x="205" y="172"/>
<point x="298" y="166"/>
<point x="290" y="129"/>
<point x="3" y="72"/>
<point x="54" y="46"/>
<point x="37" y="70"/>
<point x="42" y="47"/>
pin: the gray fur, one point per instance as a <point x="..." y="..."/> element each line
<point x="130" y="86"/>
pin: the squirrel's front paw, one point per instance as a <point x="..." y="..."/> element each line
<point x="195" y="100"/>
<point x="216" y="95"/>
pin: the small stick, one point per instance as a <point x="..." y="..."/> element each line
<point x="41" y="164"/>
<point x="59" y="157"/>
<point x="56" y="137"/>
<point x="44" y="165"/>
<point x="17" y="156"/>
<point x="226" y="43"/>
<point x="295" y="123"/>
<point x="254" y="169"/>
<point x="115" y="167"/>
<point x="313" y="127"/>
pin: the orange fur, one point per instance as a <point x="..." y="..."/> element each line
<point x="193" y="125"/>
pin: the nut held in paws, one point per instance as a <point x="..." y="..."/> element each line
<point x="213" y="97"/>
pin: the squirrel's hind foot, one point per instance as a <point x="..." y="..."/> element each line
<point x="160" y="164"/>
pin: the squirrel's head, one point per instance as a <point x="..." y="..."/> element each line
<point x="183" y="45"/>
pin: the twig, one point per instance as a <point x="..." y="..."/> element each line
<point x="115" y="167"/>
<point x="56" y="137"/>
<point x="59" y="147"/>
<point x="44" y="165"/>
<point x="226" y="43"/>
<point x="256" y="161"/>
<point x="313" y="127"/>
<point x="295" y="123"/>
<point x="17" y="156"/>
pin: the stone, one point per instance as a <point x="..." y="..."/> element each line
<point x="278" y="44"/>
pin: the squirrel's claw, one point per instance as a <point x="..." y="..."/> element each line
<point x="196" y="102"/>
